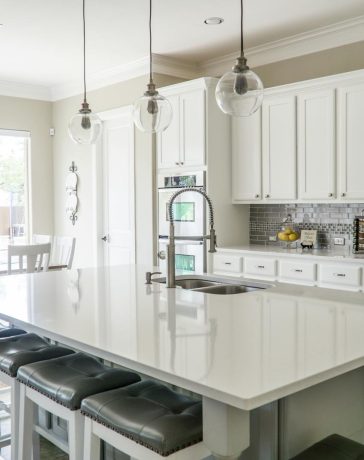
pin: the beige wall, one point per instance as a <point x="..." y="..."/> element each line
<point x="65" y="151"/>
<point x="329" y="62"/>
<point x="35" y="117"/>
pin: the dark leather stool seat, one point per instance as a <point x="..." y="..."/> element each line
<point x="69" y="379"/>
<point x="150" y="414"/>
<point x="22" y="349"/>
<point x="334" y="447"/>
<point x="10" y="332"/>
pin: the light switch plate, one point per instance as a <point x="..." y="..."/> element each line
<point x="339" y="241"/>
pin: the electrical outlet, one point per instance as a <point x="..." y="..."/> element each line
<point x="339" y="241"/>
<point x="273" y="238"/>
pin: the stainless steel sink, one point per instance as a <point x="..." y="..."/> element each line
<point x="214" y="285"/>
<point x="228" y="289"/>
<point x="193" y="283"/>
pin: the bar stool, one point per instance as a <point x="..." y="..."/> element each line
<point x="146" y="420"/>
<point x="15" y="351"/>
<point x="334" y="447"/>
<point x="58" y="386"/>
<point x="10" y="332"/>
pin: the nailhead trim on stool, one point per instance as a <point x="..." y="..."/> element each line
<point x="149" y="413"/>
<point x="69" y="379"/>
<point x="334" y="447"/>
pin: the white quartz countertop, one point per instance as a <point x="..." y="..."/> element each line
<point x="339" y="253"/>
<point x="245" y="349"/>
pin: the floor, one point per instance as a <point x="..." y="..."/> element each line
<point x="47" y="452"/>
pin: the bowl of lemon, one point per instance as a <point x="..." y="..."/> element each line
<point x="289" y="233"/>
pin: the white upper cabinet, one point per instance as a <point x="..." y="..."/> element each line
<point x="183" y="142"/>
<point x="279" y="148"/>
<point x="192" y="121"/>
<point x="247" y="158"/>
<point x="168" y="141"/>
<point x="351" y="142"/>
<point x="316" y="145"/>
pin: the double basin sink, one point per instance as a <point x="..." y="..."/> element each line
<point x="214" y="285"/>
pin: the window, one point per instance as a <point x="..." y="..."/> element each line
<point x="14" y="199"/>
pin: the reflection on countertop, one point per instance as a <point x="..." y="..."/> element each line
<point x="246" y="349"/>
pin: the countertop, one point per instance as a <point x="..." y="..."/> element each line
<point x="337" y="254"/>
<point x="245" y="350"/>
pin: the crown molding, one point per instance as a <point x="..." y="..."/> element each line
<point x="323" y="38"/>
<point x="25" y="91"/>
<point x="137" y="68"/>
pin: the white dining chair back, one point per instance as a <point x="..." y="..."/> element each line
<point x="63" y="249"/>
<point x="36" y="257"/>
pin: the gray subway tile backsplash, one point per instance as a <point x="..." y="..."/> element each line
<point x="330" y="220"/>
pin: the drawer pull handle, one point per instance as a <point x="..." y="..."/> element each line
<point x="261" y="266"/>
<point x="298" y="270"/>
<point x="342" y="275"/>
<point x="227" y="263"/>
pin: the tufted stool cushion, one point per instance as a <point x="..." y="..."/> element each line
<point x="334" y="447"/>
<point x="69" y="379"/>
<point x="10" y="332"/>
<point x="26" y="348"/>
<point x="150" y="414"/>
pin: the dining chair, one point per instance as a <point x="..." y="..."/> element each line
<point x="36" y="256"/>
<point x="63" y="250"/>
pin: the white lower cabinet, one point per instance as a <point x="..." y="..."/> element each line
<point x="297" y="272"/>
<point x="348" y="277"/>
<point x="260" y="267"/>
<point x="314" y="272"/>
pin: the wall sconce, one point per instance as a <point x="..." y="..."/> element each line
<point x="71" y="190"/>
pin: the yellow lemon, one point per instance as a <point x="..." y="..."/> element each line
<point x="293" y="236"/>
<point x="283" y="236"/>
<point x="288" y="231"/>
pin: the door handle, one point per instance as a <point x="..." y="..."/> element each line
<point x="105" y="238"/>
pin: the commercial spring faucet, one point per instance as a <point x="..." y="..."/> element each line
<point x="171" y="247"/>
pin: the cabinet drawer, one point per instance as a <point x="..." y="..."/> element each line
<point x="228" y="263"/>
<point x="340" y="275"/>
<point x="259" y="266"/>
<point x="297" y="271"/>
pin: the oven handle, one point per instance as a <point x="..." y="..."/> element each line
<point x="182" y="238"/>
<point x="184" y="242"/>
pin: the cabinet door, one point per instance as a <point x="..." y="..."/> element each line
<point x="168" y="142"/>
<point x="247" y="158"/>
<point x="316" y="145"/>
<point x="192" y="125"/>
<point x="351" y="142"/>
<point x="279" y="148"/>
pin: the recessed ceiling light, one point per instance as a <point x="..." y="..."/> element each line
<point x="213" y="21"/>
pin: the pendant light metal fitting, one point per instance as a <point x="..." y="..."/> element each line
<point x="241" y="64"/>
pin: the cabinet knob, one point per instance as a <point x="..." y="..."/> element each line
<point x="177" y="163"/>
<point x="331" y="195"/>
<point x="257" y="195"/>
<point x="267" y="195"/>
<point x="181" y="163"/>
<point x="343" y="194"/>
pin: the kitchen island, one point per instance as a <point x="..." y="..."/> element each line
<point x="239" y="352"/>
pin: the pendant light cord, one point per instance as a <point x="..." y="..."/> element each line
<point x="84" y="50"/>
<point x="241" y="28"/>
<point x="150" y="43"/>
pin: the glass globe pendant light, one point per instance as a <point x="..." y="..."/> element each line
<point x="240" y="92"/>
<point x="152" y="112"/>
<point x="84" y="127"/>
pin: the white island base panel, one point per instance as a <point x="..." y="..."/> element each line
<point x="242" y="351"/>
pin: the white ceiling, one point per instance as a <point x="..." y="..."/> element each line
<point x="40" y="42"/>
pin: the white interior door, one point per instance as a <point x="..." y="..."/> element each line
<point x="118" y="185"/>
